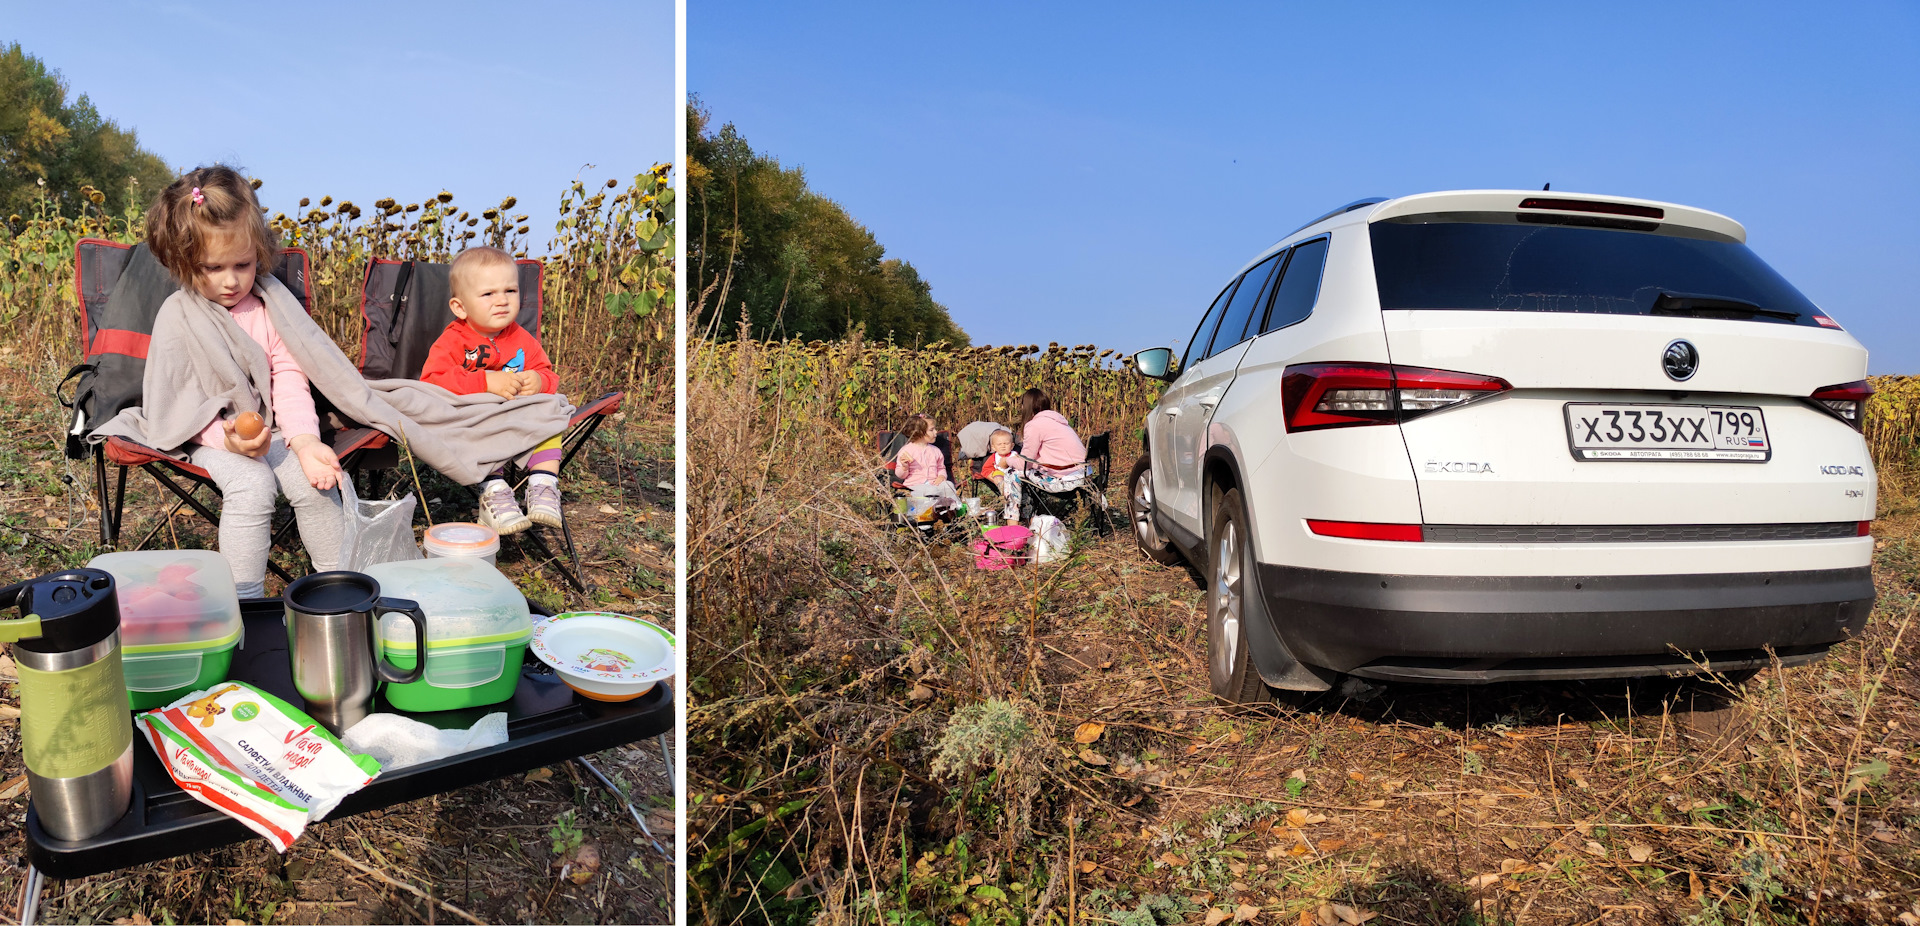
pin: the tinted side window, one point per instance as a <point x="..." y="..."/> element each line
<point x="1253" y="289"/>
<point x="1197" y="348"/>
<point x="1294" y="297"/>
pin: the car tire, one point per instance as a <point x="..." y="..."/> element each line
<point x="1140" y="512"/>
<point x="1230" y="672"/>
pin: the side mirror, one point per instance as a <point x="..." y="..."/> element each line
<point x="1154" y="362"/>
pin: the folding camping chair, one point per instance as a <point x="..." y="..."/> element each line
<point x="121" y="288"/>
<point x="887" y="444"/>
<point x="403" y="307"/>
<point x="1092" y="489"/>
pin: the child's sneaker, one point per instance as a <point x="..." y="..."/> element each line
<point x="543" y="502"/>
<point x="498" y="510"/>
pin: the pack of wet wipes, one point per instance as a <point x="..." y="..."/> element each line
<point x="255" y="758"/>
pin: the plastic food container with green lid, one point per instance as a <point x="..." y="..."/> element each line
<point x="179" y="621"/>
<point x="477" y="631"/>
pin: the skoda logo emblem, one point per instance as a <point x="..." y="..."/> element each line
<point x="1681" y="361"/>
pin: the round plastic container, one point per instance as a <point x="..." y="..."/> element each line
<point x="179" y="621"/>
<point x="477" y="632"/>
<point x="461" y="539"/>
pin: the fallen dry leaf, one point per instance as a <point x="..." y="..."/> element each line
<point x="1171" y="860"/>
<point x="1245" y="913"/>
<point x="540" y="774"/>
<point x="1089" y="867"/>
<point x="1694" y="888"/>
<point x="1479" y="881"/>
<point x="1216" y="916"/>
<point x="1376" y="802"/>
<point x="1297" y="817"/>
<point x="1514" y="866"/>
<point x="1350" y="916"/>
<point x="609" y="509"/>
<point x="920" y="693"/>
<point x="1088" y="732"/>
<point x="1093" y="758"/>
<point x="1332" y="845"/>
<point x="1594" y="849"/>
<point x="1298" y="774"/>
<point x="1639" y="852"/>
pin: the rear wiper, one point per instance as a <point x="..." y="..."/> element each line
<point x="1697" y="305"/>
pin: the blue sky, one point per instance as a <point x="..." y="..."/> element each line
<point x="364" y="100"/>
<point x="1093" y="173"/>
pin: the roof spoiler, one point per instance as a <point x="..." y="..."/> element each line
<point x="1343" y="210"/>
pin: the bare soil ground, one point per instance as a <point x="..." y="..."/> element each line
<point x="506" y="851"/>
<point x="881" y="733"/>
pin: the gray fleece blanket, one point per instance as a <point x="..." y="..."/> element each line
<point x="205" y="366"/>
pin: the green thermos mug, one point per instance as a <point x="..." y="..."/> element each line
<point x="75" y="729"/>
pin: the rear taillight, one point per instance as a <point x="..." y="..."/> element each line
<point x="1345" y="395"/>
<point x="1364" y="530"/>
<point x="1864" y="530"/>
<point x="1847" y="401"/>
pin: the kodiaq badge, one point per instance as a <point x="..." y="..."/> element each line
<point x="1681" y="360"/>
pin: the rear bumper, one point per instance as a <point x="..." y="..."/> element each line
<point x="1512" y="628"/>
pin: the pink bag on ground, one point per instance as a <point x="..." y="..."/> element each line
<point x="1003" y="548"/>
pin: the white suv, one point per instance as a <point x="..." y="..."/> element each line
<point x="1494" y="435"/>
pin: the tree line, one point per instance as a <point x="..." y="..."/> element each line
<point x="51" y="147"/>
<point x="793" y="261"/>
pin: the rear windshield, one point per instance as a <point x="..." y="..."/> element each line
<point x="1507" y="263"/>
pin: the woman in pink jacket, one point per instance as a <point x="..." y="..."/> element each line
<point x="1046" y="437"/>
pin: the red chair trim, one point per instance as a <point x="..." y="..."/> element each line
<point x="123" y="452"/>
<point x="116" y="341"/>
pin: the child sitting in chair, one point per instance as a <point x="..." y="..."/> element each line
<point x="485" y="350"/>
<point x="998" y="463"/>
<point x="919" y="465"/>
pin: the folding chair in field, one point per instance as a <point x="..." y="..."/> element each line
<point x="1090" y="488"/>
<point x="403" y="310"/>
<point x="120" y="289"/>
<point x="887" y="444"/>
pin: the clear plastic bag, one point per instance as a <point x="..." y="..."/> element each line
<point x="374" y="532"/>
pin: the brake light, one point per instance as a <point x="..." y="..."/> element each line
<point x="1361" y="530"/>
<point x="1864" y="530"/>
<point x="1587" y="205"/>
<point x="1345" y="395"/>
<point x="1847" y="401"/>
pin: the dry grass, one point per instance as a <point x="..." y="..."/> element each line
<point x="880" y="733"/>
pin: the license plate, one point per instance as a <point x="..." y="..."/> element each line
<point x="1725" y="433"/>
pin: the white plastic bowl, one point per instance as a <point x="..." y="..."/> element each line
<point x="605" y="656"/>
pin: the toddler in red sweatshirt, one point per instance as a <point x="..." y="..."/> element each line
<point x="485" y="350"/>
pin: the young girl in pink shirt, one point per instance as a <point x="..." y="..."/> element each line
<point x="207" y="230"/>
<point x="919" y="465"/>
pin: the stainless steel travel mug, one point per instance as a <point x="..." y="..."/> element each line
<point x="331" y="621"/>
<point x="75" y="729"/>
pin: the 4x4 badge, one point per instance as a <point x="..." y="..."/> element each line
<point x="1681" y="360"/>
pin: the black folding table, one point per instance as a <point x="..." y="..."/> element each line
<point x="546" y="723"/>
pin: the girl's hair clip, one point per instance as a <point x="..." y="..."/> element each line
<point x="199" y="198"/>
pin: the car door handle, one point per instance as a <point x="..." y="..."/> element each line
<point x="1210" y="400"/>
<point x="1173" y="412"/>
